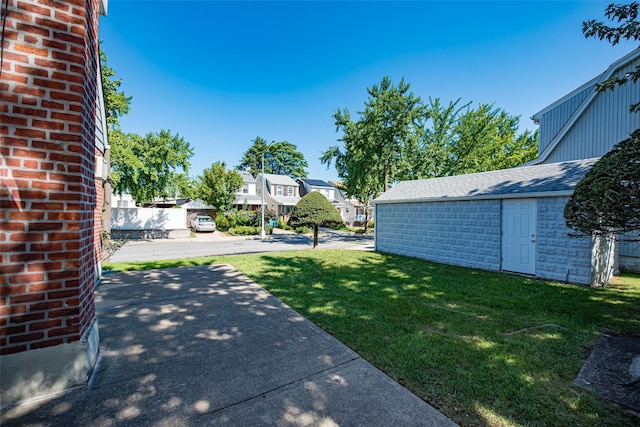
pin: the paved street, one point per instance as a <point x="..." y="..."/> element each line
<point x="214" y="244"/>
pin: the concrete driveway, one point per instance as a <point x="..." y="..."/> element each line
<point x="205" y="345"/>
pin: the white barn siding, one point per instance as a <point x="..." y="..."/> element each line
<point x="560" y="257"/>
<point x="465" y="233"/>
<point x="555" y="119"/>
<point x="604" y="123"/>
<point x="629" y="254"/>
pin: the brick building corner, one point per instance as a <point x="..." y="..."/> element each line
<point x="52" y="143"/>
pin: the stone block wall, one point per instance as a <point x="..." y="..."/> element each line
<point x="465" y="233"/>
<point x="559" y="256"/>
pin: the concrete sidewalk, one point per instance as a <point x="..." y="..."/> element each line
<point x="207" y="346"/>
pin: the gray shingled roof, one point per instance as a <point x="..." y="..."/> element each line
<point x="525" y="181"/>
<point x="247" y="177"/>
<point x="280" y="179"/>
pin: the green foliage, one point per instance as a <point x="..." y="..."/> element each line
<point x="183" y="185"/>
<point x="280" y="158"/>
<point x="218" y="186"/>
<point x="629" y="29"/>
<point x="282" y="224"/>
<point x="247" y="230"/>
<point x="485" y="139"/>
<point x="243" y="218"/>
<point x="314" y="209"/>
<point x="303" y="230"/>
<point x="150" y="166"/>
<point x="607" y="200"/>
<point x="222" y="223"/>
<point x="398" y="137"/>
<point x="117" y="104"/>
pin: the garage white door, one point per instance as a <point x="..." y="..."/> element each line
<point x="519" y="236"/>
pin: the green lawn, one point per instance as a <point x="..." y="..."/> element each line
<point x="483" y="348"/>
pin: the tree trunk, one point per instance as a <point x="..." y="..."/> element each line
<point x="366" y="218"/>
<point x="315" y="235"/>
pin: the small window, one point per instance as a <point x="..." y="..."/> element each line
<point x="290" y="191"/>
<point x="245" y="189"/>
<point x="279" y="190"/>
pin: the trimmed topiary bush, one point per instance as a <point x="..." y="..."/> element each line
<point x="314" y="210"/>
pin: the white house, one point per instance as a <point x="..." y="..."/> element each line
<point x="512" y="220"/>
<point x="346" y="210"/>
<point x="247" y="195"/>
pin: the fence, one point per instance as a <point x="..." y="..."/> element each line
<point x="148" y="223"/>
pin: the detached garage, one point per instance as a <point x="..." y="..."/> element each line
<point x="507" y="220"/>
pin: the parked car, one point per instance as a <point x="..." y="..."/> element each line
<point x="203" y="223"/>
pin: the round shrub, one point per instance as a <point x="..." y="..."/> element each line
<point x="222" y="223"/>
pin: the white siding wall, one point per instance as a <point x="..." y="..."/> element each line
<point x="604" y="123"/>
<point x="465" y="233"/>
<point x="554" y="119"/>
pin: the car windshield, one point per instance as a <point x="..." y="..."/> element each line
<point x="205" y="219"/>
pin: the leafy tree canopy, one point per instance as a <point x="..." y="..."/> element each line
<point x="218" y="186"/>
<point x="280" y="158"/>
<point x="626" y="15"/>
<point x="607" y="200"/>
<point x="398" y="137"/>
<point x="150" y="166"/>
<point x="314" y="210"/>
<point x="117" y="104"/>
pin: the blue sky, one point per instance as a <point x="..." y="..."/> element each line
<point x="222" y="73"/>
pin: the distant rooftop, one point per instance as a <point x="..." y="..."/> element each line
<point x="279" y="179"/>
<point x="247" y="177"/>
<point x="316" y="182"/>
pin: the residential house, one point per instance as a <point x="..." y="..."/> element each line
<point x="512" y="220"/>
<point x="281" y="193"/>
<point x="361" y="212"/>
<point x="332" y="194"/>
<point x="247" y="195"/>
<point x="54" y="167"/>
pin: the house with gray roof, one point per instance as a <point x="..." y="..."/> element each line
<point x="346" y="210"/>
<point x="247" y="196"/>
<point x="512" y="220"/>
<point x="281" y="193"/>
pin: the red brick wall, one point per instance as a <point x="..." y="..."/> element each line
<point x="48" y="197"/>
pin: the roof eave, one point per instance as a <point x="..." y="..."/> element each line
<point x="539" y="194"/>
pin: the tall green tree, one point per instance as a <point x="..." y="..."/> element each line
<point x="626" y="15"/>
<point x="281" y="158"/>
<point x="607" y="200"/>
<point x="218" y="186"/>
<point x="485" y="139"/>
<point x="148" y="167"/>
<point x="376" y="146"/>
<point x="431" y="155"/>
<point x="314" y="210"/>
<point x="353" y="163"/>
<point x="436" y="140"/>
<point x="117" y="104"/>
